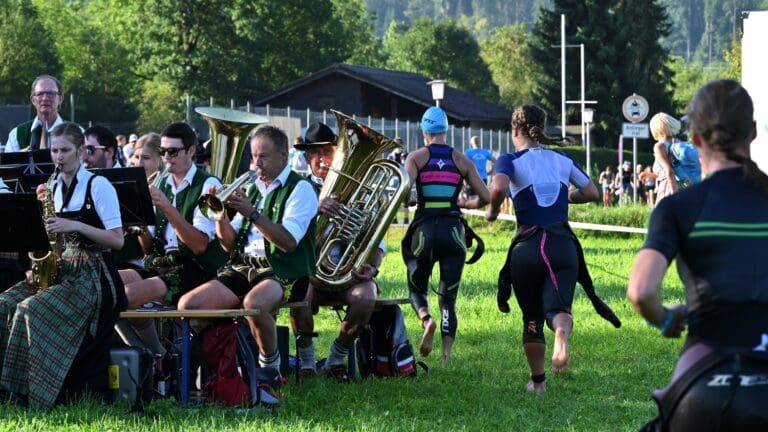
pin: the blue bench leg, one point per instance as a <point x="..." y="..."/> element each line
<point x="184" y="386"/>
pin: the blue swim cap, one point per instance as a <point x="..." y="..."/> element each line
<point x="434" y="121"/>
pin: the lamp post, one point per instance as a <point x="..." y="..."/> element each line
<point x="438" y="90"/>
<point x="588" y="116"/>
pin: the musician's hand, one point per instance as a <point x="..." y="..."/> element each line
<point x="212" y="190"/>
<point x="41" y="191"/>
<point x="329" y="206"/>
<point x="491" y="214"/>
<point x="159" y="199"/>
<point x="62" y="225"/>
<point x="365" y="273"/>
<point x="679" y="321"/>
<point x="240" y="203"/>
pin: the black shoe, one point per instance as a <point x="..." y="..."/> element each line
<point x="338" y="372"/>
<point x="305" y="374"/>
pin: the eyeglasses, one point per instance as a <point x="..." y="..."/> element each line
<point x="42" y="94"/>
<point x="91" y="149"/>
<point x="170" y="151"/>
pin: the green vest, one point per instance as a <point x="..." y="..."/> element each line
<point x="23" y="134"/>
<point x="186" y="201"/>
<point x="300" y="262"/>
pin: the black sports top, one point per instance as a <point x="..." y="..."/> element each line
<point x="718" y="230"/>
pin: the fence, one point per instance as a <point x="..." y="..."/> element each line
<point x="497" y="141"/>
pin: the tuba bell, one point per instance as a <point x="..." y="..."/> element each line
<point x="229" y="138"/>
<point x="358" y="179"/>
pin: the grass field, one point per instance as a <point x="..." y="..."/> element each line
<point x="606" y="388"/>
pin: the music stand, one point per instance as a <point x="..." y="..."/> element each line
<point x="12" y="176"/>
<point x="132" y="192"/>
<point x="28" y="158"/>
<point x="21" y="224"/>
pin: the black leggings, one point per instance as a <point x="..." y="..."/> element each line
<point x="438" y="240"/>
<point x="543" y="270"/>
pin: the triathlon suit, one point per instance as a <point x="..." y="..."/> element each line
<point x="437" y="236"/>
<point x="718" y="231"/>
<point x="543" y="260"/>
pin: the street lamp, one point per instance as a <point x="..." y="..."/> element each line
<point x="588" y="115"/>
<point x="438" y="90"/>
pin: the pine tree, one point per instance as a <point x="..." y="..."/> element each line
<point x="623" y="55"/>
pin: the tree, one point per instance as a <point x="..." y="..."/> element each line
<point x="444" y="50"/>
<point x="92" y="62"/>
<point x="623" y="55"/>
<point x="507" y="55"/>
<point x="26" y="50"/>
<point x="357" y="32"/>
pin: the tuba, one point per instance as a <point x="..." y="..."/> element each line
<point x="229" y="136"/>
<point x="45" y="264"/>
<point x="358" y="180"/>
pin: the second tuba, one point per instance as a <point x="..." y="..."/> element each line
<point x="360" y="181"/>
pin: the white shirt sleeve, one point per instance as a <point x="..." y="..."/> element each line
<point x="106" y="202"/>
<point x="300" y="209"/>
<point x="13" y="143"/>
<point x="206" y="225"/>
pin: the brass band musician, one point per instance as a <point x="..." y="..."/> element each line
<point x="56" y="345"/>
<point x="185" y="251"/>
<point x="46" y="96"/>
<point x="272" y="246"/>
<point x="360" y="296"/>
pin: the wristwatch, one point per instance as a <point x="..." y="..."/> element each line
<point x="255" y="215"/>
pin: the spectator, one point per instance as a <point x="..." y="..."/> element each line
<point x="297" y="158"/>
<point x="663" y="128"/>
<point x="648" y="179"/>
<point x="606" y="180"/>
<point x="480" y="158"/>
<point x="398" y="155"/>
<point x="624" y="183"/>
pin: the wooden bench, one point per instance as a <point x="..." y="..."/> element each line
<point x="185" y="316"/>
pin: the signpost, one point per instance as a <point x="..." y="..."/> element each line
<point x="635" y="109"/>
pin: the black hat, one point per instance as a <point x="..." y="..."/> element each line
<point x="318" y="134"/>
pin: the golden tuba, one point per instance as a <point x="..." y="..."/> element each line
<point x="359" y="181"/>
<point x="229" y="138"/>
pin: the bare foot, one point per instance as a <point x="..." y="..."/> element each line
<point x="560" y="354"/>
<point x="425" y="347"/>
<point x="538" y="388"/>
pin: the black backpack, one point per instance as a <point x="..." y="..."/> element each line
<point x="383" y="348"/>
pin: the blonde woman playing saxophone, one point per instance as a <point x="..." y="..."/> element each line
<point x="56" y="346"/>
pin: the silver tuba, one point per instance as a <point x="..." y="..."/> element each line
<point x="359" y="181"/>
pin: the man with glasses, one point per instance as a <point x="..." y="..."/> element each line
<point x="185" y="251"/>
<point x="47" y="97"/>
<point x="272" y="240"/>
<point x="100" y="148"/>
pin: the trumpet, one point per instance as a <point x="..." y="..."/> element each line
<point x="212" y="205"/>
<point x="156" y="178"/>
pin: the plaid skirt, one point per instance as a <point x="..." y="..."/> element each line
<point x="44" y="330"/>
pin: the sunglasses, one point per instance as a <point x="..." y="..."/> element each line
<point x="170" y="151"/>
<point x="91" y="149"/>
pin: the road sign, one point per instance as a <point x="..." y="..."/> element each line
<point x="635" y="130"/>
<point x="635" y="108"/>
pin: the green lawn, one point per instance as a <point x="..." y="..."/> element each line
<point x="607" y="387"/>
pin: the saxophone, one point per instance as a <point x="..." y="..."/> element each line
<point x="45" y="263"/>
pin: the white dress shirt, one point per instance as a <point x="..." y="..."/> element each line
<point x="300" y="209"/>
<point x="103" y="194"/>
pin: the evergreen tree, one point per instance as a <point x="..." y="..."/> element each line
<point x="623" y="55"/>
